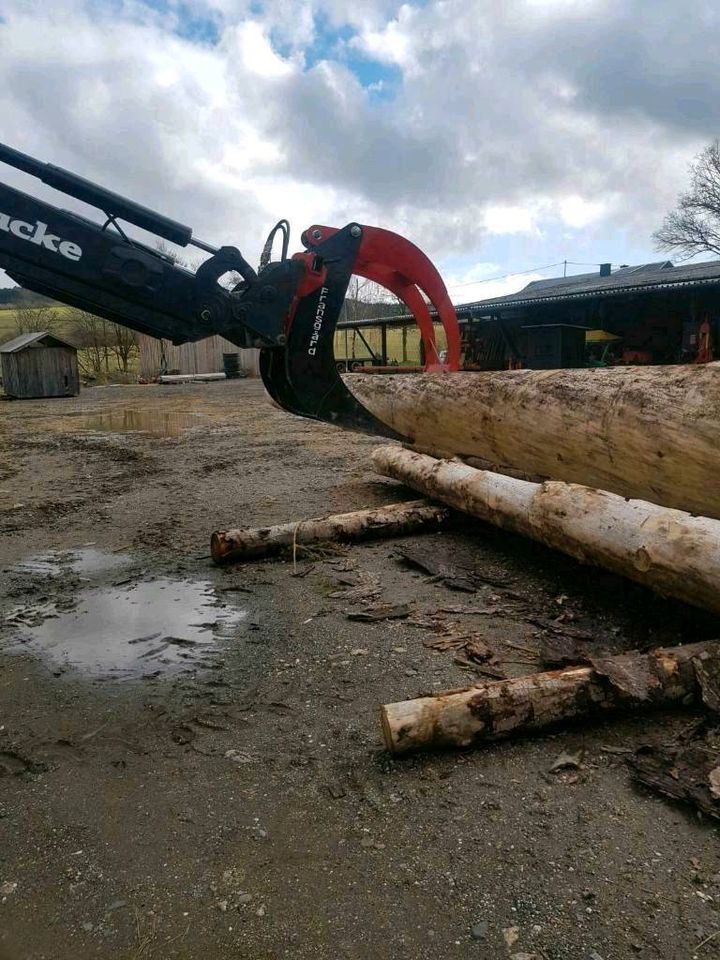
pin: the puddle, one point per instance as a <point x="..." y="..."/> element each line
<point x="157" y="627"/>
<point x="154" y="422"/>
<point x="84" y="562"/>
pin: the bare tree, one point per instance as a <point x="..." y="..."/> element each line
<point x="228" y="280"/>
<point x="367" y="300"/>
<point x="694" y="226"/>
<point x="181" y="259"/>
<point x="94" y="336"/>
<point x="31" y="318"/>
<point x="124" y="345"/>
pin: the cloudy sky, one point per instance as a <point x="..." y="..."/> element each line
<point x="499" y="135"/>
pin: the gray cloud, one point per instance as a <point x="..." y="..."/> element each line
<point x="516" y="102"/>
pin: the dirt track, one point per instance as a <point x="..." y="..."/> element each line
<point x="244" y="807"/>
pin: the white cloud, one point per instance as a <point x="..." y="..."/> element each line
<point x="578" y="213"/>
<point x="258" y="56"/>
<point x="500" y="220"/>
<point x="527" y="121"/>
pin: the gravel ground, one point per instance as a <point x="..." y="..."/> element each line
<point x="217" y="787"/>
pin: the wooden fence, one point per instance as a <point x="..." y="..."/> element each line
<point x="202" y="356"/>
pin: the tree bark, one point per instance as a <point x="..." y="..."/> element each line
<point x="499" y="708"/>
<point x="397" y="519"/>
<point x="647" y="432"/>
<point x="667" y="550"/>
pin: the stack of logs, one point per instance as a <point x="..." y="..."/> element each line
<point x="634" y="460"/>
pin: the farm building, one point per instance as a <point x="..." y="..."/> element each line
<point x="202" y="356"/>
<point x="651" y="313"/>
<point x="39" y="364"/>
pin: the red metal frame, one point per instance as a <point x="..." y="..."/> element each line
<point x="401" y="267"/>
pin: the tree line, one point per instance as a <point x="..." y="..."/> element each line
<point x="104" y="347"/>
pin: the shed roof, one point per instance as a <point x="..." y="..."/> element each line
<point x="29" y="339"/>
<point x="641" y="278"/>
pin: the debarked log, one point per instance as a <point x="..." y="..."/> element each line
<point x="498" y="708"/>
<point x="396" y="519"/>
<point x="669" y="551"/>
<point x="651" y="433"/>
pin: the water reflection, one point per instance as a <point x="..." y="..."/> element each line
<point x="155" y="627"/>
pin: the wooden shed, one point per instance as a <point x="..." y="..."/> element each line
<point x="39" y="365"/>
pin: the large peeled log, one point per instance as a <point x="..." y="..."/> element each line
<point x="397" y="519"/>
<point x="667" y="550"/>
<point x="647" y="432"/>
<point x="499" y="708"/>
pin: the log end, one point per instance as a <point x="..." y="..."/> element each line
<point x="387" y="730"/>
<point x="219" y="547"/>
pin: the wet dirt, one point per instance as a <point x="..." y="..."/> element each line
<point x="84" y="561"/>
<point x="156" y="423"/>
<point x="245" y="807"/>
<point x="152" y="628"/>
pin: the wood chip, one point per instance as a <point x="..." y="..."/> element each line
<point x="385" y="611"/>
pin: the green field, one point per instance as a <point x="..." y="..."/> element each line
<point x="403" y="344"/>
<point x="105" y="370"/>
<point x="7" y="322"/>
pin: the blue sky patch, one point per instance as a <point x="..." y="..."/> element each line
<point x="190" y="26"/>
<point x="333" y="43"/>
<point x="381" y="80"/>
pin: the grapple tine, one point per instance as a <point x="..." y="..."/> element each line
<point x="303" y="377"/>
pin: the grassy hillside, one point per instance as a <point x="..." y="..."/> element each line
<point x="98" y="367"/>
<point x="8" y="329"/>
<point x="402" y="346"/>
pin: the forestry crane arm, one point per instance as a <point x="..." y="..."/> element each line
<point x="289" y="309"/>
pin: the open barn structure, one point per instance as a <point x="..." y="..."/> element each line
<point x="646" y="314"/>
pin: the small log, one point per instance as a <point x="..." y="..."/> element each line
<point x="190" y="377"/>
<point x="495" y="709"/>
<point x="667" y="550"/>
<point x="397" y="519"/>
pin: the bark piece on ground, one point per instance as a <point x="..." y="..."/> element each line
<point x="452" y="577"/>
<point x="567" y="761"/>
<point x="384" y="611"/>
<point x="560" y="650"/>
<point x="359" y="588"/>
<point x="687" y="769"/>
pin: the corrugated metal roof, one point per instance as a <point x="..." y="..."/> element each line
<point x="641" y="278"/>
<point x="26" y="339"/>
<point x="590" y="279"/>
<point x="627" y="279"/>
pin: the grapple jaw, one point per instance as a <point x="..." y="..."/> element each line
<point x="302" y="376"/>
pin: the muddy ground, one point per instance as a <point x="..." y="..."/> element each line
<point x="222" y="790"/>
